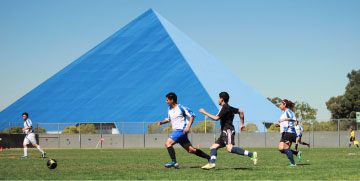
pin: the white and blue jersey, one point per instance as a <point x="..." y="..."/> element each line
<point x="299" y="130"/>
<point x="179" y="117"/>
<point x="27" y="124"/>
<point x="288" y="126"/>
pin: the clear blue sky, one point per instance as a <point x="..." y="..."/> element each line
<point x="299" y="50"/>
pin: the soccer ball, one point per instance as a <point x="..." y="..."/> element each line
<point x="51" y="164"/>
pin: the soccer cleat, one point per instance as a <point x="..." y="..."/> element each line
<point x="299" y="156"/>
<point x="43" y="155"/>
<point x="23" y="157"/>
<point x="292" y="165"/>
<point x="172" y="164"/>
<point x="254" y="158"/>
<point x="209" y="166"/>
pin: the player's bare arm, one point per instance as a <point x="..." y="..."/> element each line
<point x="242" y="120"/>
<point x="187" y="129"/>
<point x="163" y="122"/>
<point x="209" y="115"/>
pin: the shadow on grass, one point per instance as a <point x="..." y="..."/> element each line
<point x="303" y="164"/>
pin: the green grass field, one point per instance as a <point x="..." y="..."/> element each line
<point x="136" y="164"/>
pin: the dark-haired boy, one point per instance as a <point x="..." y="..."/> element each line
<point x="181" y="119"/>
<point x="226" y="139"/>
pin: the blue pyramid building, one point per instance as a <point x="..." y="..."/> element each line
<point x="125" y="79"/>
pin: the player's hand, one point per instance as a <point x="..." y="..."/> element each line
<point x="277" y="125"/>
<point x="202" y="110"/>
<point x="242" y="127"/>
<point x="186" y="130"/>
<point x="159" y="123"/>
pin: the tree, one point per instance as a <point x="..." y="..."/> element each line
<point x="70" y="130"/>
<point x="40" y="130"/>
<point x="251" y="128"/>
<point x="16" y="130"/>
<point x="168" y="129"/>
<point x="200" y="127"/>
<point x="276" y="101"/>
<point x="86" y="129"/>
<point x="273" y="128"/>
<point x="154" y="128"/>
<point x="82" y="128"/>
<point x="303" y="111"/>
<point x="346" y="105"/>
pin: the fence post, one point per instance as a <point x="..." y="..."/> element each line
<point x="80" y="135"/>
<point x="339" y="130"/>
<point x="264" y="133"/>
<point x="58" y="135"/>
<point x="144" y="132"/>
<point x="123" y="134"/>
<point x="100" y="135"/>
<point x="313" y="133"/>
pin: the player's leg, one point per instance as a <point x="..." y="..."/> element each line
<point x="213" y="154"/>
<point x="25" y="143"/>
<point x="237" y="150"/>
<point x="289" y="153"/>
<point x="189" y="148"/>
<point x="169" y="146"/>
<point x="297" y="142"/>
<point x="32" y="139"/>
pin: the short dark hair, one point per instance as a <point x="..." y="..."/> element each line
<point x="225" y="96"/>
<point x="25" y="113"/>
<point x="172" y="96"/>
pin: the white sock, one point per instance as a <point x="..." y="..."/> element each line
<point x="39" y="148"/>
<point x="246" y="153"/>
<point x="25" y="151"/>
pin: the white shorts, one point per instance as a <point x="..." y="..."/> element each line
<point x="30" y="138"/>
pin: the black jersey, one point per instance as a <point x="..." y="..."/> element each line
<point x="226" y="114"/>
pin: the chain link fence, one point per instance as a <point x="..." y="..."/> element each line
<point x="319" y="133"/>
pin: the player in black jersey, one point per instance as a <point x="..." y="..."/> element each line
<point x="226" y="139"/>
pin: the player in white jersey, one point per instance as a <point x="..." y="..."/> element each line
<point x="181" y="119"/>
<point x="287" y="131"/>
<point x="30" y="136"/>
<point x="299" y="130"/>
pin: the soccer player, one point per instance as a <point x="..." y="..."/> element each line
<point x="352" y="136"/>
<point x="287" y="131"/>
<point x="299" y="130"/>
<point x="30" y="136"/>
<point x="226" y="139"/>
<point x="181" y="119"/>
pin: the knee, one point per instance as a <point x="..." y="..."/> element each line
<point x="229" y="149"/>
<point x="167" y="145"/>
<point x="192" y="150"/>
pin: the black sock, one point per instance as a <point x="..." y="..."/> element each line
<point x="172" y="153"/>
<point x="296" y="146"/>
<point x="289" y="154"/>
<point x="201" y="154"/>
<point x="294" y="152"/>
<point x="305" y="143"/>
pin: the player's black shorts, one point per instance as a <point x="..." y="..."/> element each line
<point x="352" y="139"/>
<point x="227" y="136"/>
<point x="288" y="137"/>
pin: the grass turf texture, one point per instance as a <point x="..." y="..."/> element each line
<point x="84" y="164"/>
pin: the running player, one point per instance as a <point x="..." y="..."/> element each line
<point x="287" y="131"/>
<point x="30" y="136"/>
<point x="181" y="119"/>
<point x="352" y="136"/>
<point x="226" y="139"/>
<point x="299" y="130"/>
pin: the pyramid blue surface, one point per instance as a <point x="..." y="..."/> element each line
<point x="125" y="79"/>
